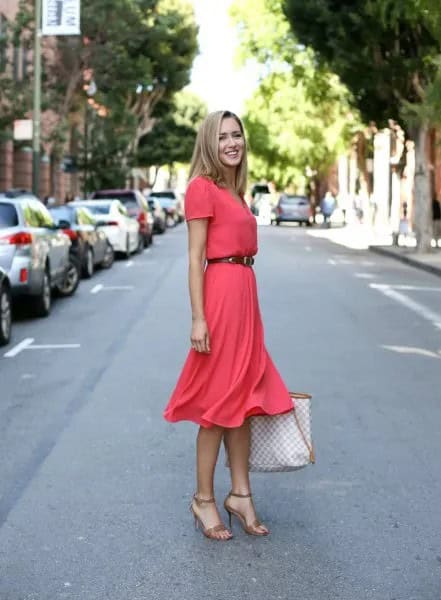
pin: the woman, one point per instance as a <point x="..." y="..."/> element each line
<point x="228" y="375"/>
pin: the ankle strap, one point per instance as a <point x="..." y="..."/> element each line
<point x="241" y="495"/>
<point x="203" y="500"/>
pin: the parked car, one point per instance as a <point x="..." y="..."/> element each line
<point x="259" y="192"/>
<point x="159" y="215"/>
<point x="33" y="251"/>
<point x="172" y="203"/>
<point x="89" y="243"/>
<point x="121" y="230"/>
<point x="137" y="207"/>
<point x="292" y="208"/>
<point x="5" y="308"/>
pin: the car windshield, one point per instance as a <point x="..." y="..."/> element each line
<point x="293" y="200"/>
<point x="99" y="209"/>
<point x="8" y="215"/>
<point x="127" y="198"/>
<point x="164" y="194"/>
<point x="62" y="213"/>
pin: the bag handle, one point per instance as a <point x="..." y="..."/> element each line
<point x="302" y="396"/>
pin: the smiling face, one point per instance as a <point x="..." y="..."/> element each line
<point x="231" y="143"/>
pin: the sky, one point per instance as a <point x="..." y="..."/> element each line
<point x="214" y="77"/>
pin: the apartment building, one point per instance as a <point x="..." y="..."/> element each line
<point x="16" y="156"/>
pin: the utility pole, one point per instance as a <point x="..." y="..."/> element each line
<point x="36" y="113"/>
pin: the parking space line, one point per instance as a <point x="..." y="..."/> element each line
<point x="96" y="288"/>
<point x="365" y="275"/>
<point x="416" y="307"/>
<point x="19" y="347"/>
<point x="27" y="344"/>
<point x="129" y="263"/>
<point x="413" y="350"/>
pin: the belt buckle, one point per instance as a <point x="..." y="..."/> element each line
<point x="248" y="261"/>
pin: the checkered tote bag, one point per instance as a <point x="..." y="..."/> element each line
<point x="283" y="442"/>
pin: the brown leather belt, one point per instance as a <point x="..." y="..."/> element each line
<point x="248" y="261"/>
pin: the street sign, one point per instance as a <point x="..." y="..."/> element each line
<point x="23" y="129"/>
<point x="61" y="17"/>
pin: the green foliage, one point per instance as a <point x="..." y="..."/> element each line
<point x="15" y="95"/>
<point x="383" y="51"/>
<point x="173" y="135"/>
<point x="138" y="52"/>
<point x="299" y="117"/>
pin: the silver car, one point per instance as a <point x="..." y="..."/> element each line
<point x="33" y="251"/>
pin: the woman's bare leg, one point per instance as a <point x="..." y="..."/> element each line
<point x="237" y="441"/>
<point x="207" y="452"/>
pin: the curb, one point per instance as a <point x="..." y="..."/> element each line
<point x="384" y="251"/>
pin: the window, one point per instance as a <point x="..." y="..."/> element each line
<point x="30" y="216"/>
<point x="8" y="215"/>
<point x="84" y="217"/>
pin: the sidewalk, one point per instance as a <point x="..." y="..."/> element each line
<point x="360" y="237"/>
<point x="430" y="262"/>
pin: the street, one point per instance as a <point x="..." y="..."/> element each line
<point x="95" y="485"/>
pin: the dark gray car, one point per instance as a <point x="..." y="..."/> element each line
<point x="33" y="251"/>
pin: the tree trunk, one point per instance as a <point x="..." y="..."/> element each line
<point x="423" y="192"/>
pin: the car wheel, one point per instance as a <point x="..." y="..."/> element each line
<point x="71" y="278"/>
<point x="109" y="256"/>
<point x="43" y="302"/>
<point x="170" y="221"/>
<point x="127" y="250"/>
<point x="142" y="243"/>
<point x="89" y="266"/>
<point x="5" y="315"/>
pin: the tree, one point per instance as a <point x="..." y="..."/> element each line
<point x="139" y="54"/>
<point x="172" y="138"/>
<point x="385" y="53"/>
<point x="298" y="118"/>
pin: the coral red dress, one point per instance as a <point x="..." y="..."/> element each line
<point x="238" y="378"/>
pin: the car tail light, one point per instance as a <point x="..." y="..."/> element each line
<point x="23" y="275"/>
<point x="21" y="238"/>
<point x="115" y="223"/>
<point x="72" y="234"/>
<point x="141" y="217"/>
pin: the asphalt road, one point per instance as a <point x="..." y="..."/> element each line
<point x="95" y="486"/>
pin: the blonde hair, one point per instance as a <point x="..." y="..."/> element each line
<point x="205" y="161"/>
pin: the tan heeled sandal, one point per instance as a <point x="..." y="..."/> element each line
<point x="209" y="532"/>
<point x="250" y="528"/>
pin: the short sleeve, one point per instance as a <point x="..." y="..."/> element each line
<point x="198" y="200"/>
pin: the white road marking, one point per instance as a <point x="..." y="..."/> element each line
<point x="27" y="344"/>
<point x="367" y="263"/>
<point x="117" y="287"/>
<point x="416" y="307"/>
<point x="52" y="346"/>
<point x="331" y="261"/>
<point x="364" y="275"/>
<point x="412" y="350"/>
<point x="96" y="288"/>
<point x="416" y="288"/>
<point x="19" y="347"/>
<point x="308" y="248"/>
<point x="129" y="263"/>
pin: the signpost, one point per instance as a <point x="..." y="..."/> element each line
<point x="60" y="17"/>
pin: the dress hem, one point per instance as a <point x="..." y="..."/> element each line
<point x="257" y="411"/>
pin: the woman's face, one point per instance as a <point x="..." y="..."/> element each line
<point x="231" y="143"/>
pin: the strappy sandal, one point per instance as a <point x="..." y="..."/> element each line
<point x="250" y="528"/>
<point x="209" y="532"/>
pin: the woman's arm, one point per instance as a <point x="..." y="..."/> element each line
<point x="197" y="239"/>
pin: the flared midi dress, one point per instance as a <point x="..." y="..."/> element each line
<point x="238" y="378"/>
